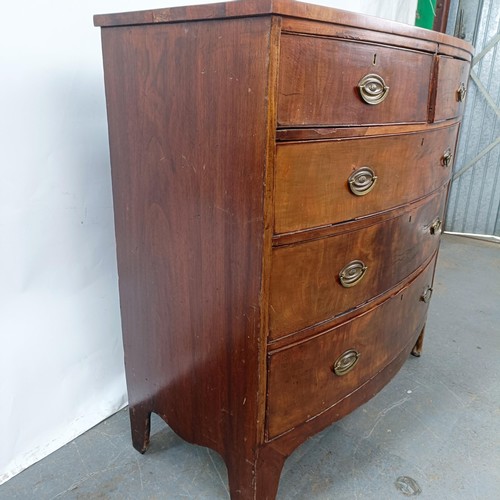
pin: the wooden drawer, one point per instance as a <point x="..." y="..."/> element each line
<point x="304" y="372"/>
<point x="319" y="78"/>
<point x="452" y="76"/>
<point x="312" y="178"/>
<point x="305" y="285"/>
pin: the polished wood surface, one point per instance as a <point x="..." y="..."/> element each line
<point x="294" y="25"/>
<point x="312" y="189"/>
<point x="305" y="287"/>
<point x="311" y="63"/>
<point x="188" y="177"/>
<point x="325" y="133"/>
<point x="230" y="156"/>
<point x="406" y="73"/>
<point x="450" y="74"/>
<point x="304" y="372"/>
<point x="286" y="443"/>
<point x="290" y="10"/>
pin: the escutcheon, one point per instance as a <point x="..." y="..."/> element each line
<point x="346" y="362"/>
<point x="461" y="92"/>
<point x="352" y="273"/>
<point x="446" y="158"/>
<point x="436" y="226"/>
<point x="362" y="181"/>
<point x="426" y="296"/>
<point x="373" y="89"/>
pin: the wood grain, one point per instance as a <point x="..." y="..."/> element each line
<point x="450" y="74"/>
<point x="304" y="372"/>
<point x="309" y="64"/>
<point x="326" y="133"/>
<point x="305" y="287"/>
<point x="188" y="173"/>
<point x="286" y="8"/>
<point x="285" y="443"/>
<point x="316" y="329"/>
<point x="213" y="303"/>
<point x="311" y="187"/>
<point x="350" y="33"/>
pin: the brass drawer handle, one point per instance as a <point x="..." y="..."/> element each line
<point x="446" y="159"/>
<point x="426" y="296"/>
<point x="436" y="226"/>
<point x="362" y="181"/>
<point x="352" y="273"/>
<point x="461" y="92"/>
<point x="346" y="362"/>
<point x="373" y="89"/>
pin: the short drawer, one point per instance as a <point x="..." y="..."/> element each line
<point x="301" y="380"/>
<point x="320" y="183"/>
<point x="318" y="280"/>
<point x="322" y="82"/>
<point x="451" y="87"/>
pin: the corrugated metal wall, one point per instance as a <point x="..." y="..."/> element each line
<point x="474" y="203"/>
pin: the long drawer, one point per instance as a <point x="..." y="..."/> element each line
<point x="328" y="81"/>
<point x="317" y="280"/>
<point x="324" y="182"/>
<point x="321" y="371"/>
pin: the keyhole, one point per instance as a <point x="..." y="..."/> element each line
<point x="374" y="59"/>
<point x="422" y="143"/>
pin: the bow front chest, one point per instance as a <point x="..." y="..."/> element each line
<point x="280" y="173"/>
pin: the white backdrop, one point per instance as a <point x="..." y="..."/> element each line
<point x="61" y="358"/>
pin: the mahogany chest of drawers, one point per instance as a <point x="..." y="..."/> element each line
<point x="280" y="173"/>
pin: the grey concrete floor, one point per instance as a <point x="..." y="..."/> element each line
<point x="437" y="422"/>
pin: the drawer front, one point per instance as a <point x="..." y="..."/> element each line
<point x="302" y="382"/>
<point x="452" y="81"/>
<point x="319" y="82"/>
<point x="306" y="286"/>
<point x="321" y="183"/>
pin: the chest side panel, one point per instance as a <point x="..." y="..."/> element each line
<point x="187" y="108"/>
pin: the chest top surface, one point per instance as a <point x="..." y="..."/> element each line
<point x="287" y="8"/>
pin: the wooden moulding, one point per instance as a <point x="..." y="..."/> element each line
<point x="286" y="8"/>
<point x="327" y="133"/>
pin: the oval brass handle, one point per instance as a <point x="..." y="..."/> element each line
<point x="435" y="227"/>
<point x="426" y="296"/>
<point x="346" y="362"/>
<point x="352" y="273"/>
<point x="373" y="89"/>
<point x="362" y="181"/>
<point x="446" y="159"/>
<point x="461" y="92"/>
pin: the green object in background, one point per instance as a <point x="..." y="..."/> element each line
<point x="426" y="12"/>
